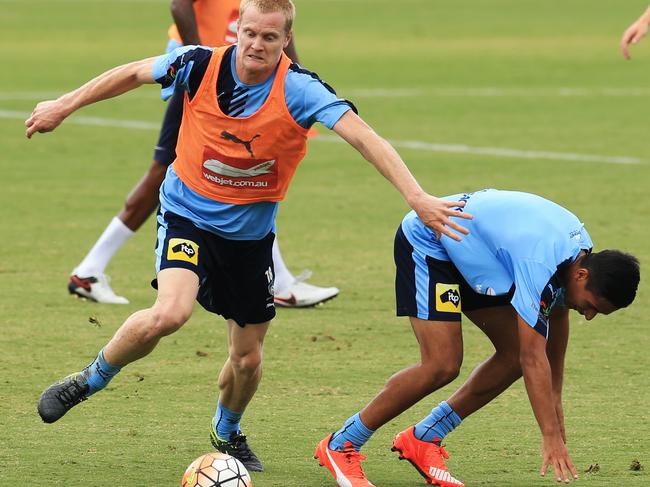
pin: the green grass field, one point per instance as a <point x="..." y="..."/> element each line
<point x="505" y="93"/>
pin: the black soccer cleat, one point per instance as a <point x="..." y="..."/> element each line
<point x="237" y="447"/>
<point x="62" y="396"/>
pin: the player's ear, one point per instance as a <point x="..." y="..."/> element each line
<point x="581" y="274"/>
<point x="288" y="39"/>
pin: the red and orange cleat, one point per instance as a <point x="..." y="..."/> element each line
<point x="427" y="458"/>
<point x="344" y="465"/>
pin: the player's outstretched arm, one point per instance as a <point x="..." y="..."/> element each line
<point x="434" y="212"/>
<point x="634" y="33"/>
<point x="539" y="385"/>
<point x="556" y="350"/>
<point x="48" y="115"/>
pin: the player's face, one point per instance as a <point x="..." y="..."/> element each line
<point x="260" y="40"/>
<point x="581" y="299"/>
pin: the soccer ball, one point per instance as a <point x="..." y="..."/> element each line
<point x="216" y="470"/>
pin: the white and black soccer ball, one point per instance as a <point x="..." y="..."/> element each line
<point x="216" y="470"/>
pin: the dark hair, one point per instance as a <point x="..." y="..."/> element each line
<point x="613" y="275"/>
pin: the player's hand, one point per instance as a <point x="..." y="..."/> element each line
<point x="435" y="214"/>
<point x="556" y="455"/>
<point x="632" y="35"/>
<point x="47" y="116"/>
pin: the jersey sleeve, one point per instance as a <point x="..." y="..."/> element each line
<point x="537" y="290"/>
<point x="311" y="100"/>
<point x="183" y="68"/>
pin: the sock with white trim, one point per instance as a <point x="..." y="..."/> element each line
<point x="283" y="276"/>
<point x="115" y="235"/>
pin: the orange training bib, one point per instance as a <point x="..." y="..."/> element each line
<point x="238" y="160"/>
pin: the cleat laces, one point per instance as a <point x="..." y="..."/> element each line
<point x="353" y="458"/>
<point x="434" y="459"/>
<point x="437" y="449"/>
<point x="237" y="447"/>
<point x="72" y="394"/>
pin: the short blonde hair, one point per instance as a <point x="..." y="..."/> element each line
<point x="286" y="7"/>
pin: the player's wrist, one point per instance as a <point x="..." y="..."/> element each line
<point x="551" y="434"/>
<point x="417" y="198"/>
<point x="66" y="105"/>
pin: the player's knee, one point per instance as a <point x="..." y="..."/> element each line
<point x="439" y="375"/>
<point x="246" y="363"/>
<point x="448" y="373"/>
<point x="169" y="318"/>
<point x="511" y="362"/>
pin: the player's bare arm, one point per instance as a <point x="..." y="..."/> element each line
<point x="434" y="212"/>
<point x="183" y="14"/>
<point x="536" y="370"/>
<point x="556" y="350"/>
<point x="48" y="115"/>
<point x="634" y="33"/>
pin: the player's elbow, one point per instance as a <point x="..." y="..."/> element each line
<point x="142" y="71"/>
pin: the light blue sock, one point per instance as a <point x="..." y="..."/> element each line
<point x="441" y="421"/>
<point x="226" y="422"/>
<point x="353" y="431"/>
<point x="99" y="373"/>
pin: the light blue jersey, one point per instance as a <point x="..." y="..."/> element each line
<point x="516" y="239"/>
<point x="308" y="99"/>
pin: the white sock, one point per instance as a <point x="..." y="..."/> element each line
<point x="283" y="276"/>
<point x="115" y="235"/>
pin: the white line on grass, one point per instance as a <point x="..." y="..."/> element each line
<point x="485" y="92"/>
<point x="500" y="151"/>
<point x="494" y="92"/>
<point x="400" y="144"/>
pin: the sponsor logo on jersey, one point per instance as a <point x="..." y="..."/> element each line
<point x="550" y="295"/>
<point x="447" y="298"/>
<point x="575" y="235"/>
<point x="246" y="143"/>
<point x="183" y="249"/>
<point x="239" y="172"/>
<point x="224" y="169"/>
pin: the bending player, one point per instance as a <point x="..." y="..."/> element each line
<point x="525" y="263"/>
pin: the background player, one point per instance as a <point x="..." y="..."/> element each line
<point x="635" y="32"/>
<point x="197" y="22"/>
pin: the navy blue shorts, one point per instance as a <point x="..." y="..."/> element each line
<point x="165" y="151"/>
<point x="432" y="289"/>
<point x="235" y="276"/>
